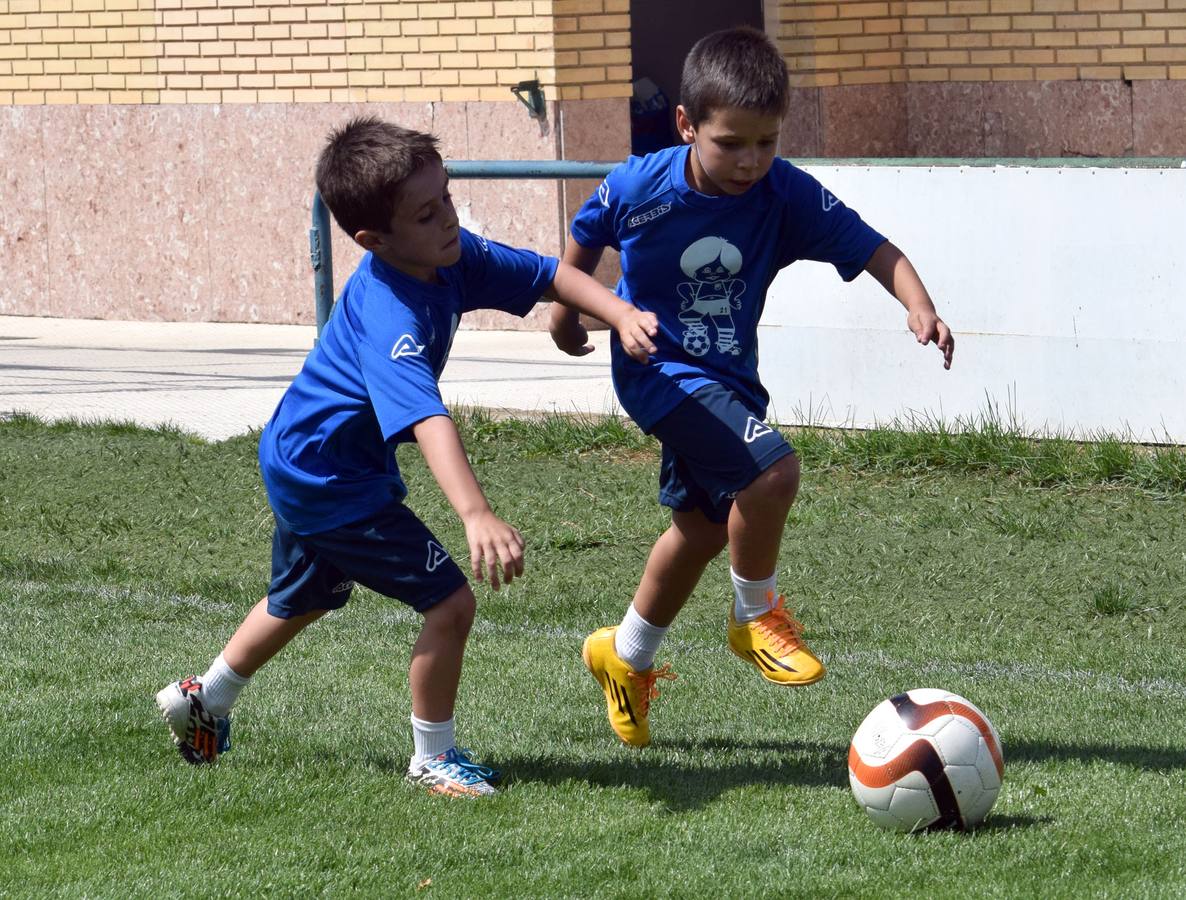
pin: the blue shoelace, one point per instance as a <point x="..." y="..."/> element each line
<point x="459" y="762"/>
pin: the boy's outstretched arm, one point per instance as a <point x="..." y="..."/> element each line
<point x="577" y="292"/>
<point x="894" y="271"/>
<point x="565" y="326"/>
<point x="491" y="540"/>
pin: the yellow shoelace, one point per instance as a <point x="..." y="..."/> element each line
<point x="645" y="684"/>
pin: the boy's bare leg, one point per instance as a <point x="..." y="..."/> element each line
<point x="261" y="636"/>
<point x="435" y="671"/>
<point x="761" y="631"/>
<point x="621" y="657"/>
<point x="197" y="709"/>
<point x="675" y="565"/>
<point x="758" y="517"/>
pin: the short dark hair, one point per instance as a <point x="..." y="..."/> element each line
<point x="737" y="67"/>
<point x="362" y="167"/>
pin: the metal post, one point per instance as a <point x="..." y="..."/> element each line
<point x="321" y="250"/>
<point x="322" y="257"/>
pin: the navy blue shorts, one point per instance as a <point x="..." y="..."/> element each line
<point x="713" y="447"/>
<point x="391" y="552"/>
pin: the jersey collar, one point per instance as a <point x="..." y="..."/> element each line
<point x="691" y="196"/>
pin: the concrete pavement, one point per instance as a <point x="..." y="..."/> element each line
<point x="218" y="380"/>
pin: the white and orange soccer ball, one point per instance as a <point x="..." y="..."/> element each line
<point x="926" y="759"/>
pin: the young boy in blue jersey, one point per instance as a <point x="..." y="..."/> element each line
<point x="702" y="229"/>
<point x="328" y="454"/>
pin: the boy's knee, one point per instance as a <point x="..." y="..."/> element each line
<point x="713" y="543"/>
<point x="454" y="614"/>
<point x="779" y="484"/>
<point x="702" y="536"/>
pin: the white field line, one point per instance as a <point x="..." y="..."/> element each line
<point x="1077" y="679"/>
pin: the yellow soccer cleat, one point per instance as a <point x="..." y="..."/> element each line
<point x="628" y="694"/>
<point x="773" y="644"/>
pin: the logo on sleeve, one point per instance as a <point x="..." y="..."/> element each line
<point x="436" y="555"/>
<point x="755" y="429"/>
<point x="829" y="199"/>
<point x="406" y="346"/>
<point x="603" y="193"/>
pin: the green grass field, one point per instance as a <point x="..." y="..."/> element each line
<point x="1044" y="581"/>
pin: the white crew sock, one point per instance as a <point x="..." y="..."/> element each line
<point x="431" y="739"/>
<point x="752" y="598"/>
<point x="220" y="687"/>
<point x="637" y="640"/>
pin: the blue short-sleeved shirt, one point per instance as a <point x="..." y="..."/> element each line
<point x="703" y="264"/>
<point x="328" y="454"/>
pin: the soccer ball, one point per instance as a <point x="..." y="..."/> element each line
<point x="696" y="342"/>
<point x="925" y="759"/>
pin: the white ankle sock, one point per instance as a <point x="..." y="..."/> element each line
<point x="220" y="687"/>
<point x="637" y="640"/>
<point x="752" y="598"/>
<point x="431" y="739"/>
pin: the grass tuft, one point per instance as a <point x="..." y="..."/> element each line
<point x="983" y="445"/>
<point x="553" y="434"/>
<point x="1111" y="600"/>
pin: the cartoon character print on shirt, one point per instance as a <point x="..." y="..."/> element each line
<point x="711" y="296"/>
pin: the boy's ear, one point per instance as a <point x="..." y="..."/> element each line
<point x="683" y="124"/>
<point x="368" y="240"/>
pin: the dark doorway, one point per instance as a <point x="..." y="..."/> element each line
<point x="661" y="34"/>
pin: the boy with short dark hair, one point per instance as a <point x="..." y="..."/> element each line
<point x="328" y="454"/>
<point x="703" y="229"/>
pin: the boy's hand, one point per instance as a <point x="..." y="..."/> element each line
<point x="492" y="542"/>
<point x="896" y="274"/>
<point x="567" y="332"/>
<point x="927" y="327"/>
<point x="636" y="329"/>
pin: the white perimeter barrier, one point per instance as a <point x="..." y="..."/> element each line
<point x="1065" y="287"/>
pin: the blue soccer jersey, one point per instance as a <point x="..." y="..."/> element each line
<point x="702" y="264"/>
<point x="328" y="453"/>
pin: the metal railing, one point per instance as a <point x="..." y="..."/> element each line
<point x="320" y="237"/>
<point x="321" y="248"/>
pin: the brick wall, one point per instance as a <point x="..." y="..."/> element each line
<point x="289" y="51"/>
<point x="199" y="121"/>
<point x="850" y="42"/>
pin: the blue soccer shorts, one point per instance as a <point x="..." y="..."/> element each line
<point x="713" y="447"/>
<point x="391" y="552"/>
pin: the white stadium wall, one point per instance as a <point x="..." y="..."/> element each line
<point x="1066" y="288"/>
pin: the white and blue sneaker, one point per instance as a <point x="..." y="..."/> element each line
<point x="199" y="735"/>
<point x="454" y="774"/>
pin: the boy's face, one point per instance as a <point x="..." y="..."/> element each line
<point x="423" y="234"/>
<point x="732" y="148"/>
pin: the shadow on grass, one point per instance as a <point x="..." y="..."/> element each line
<point x="996" y="822"/>
<point x="1148" y="758"/>
<point x="724" y="764"/>
<point x="678" y="785"/>
<point x="683" y="786"/>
